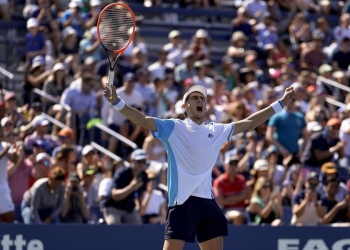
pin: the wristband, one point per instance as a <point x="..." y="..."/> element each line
<point x="119" y="104"/>
<point x="277" y="106"/>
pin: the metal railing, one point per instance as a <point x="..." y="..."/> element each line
<point x="335" y="103"/>
<point x="321" y="80"/>
<point x="51" y="98"/>
<point x="116" y="135"/>
<point x="109" y="153"/>
<point x="6" y="73"/>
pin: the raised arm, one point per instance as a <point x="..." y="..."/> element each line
<point x="261" y="116"/>
<point x="132" y="114"/>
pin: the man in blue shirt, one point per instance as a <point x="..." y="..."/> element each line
<point x="284" y="131"/>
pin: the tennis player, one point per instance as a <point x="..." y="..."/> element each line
<point x="193" y="148"/>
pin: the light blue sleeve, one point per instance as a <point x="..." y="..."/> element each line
<point x="164" y="128"/>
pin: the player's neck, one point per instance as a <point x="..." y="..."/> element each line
<point x="198" y="121"/>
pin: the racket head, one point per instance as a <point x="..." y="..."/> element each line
<point x="116" y="27"/>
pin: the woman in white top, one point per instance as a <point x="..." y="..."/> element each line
<point x="6" y="204"/>
<point x="137" y="42"/>
<point x="154" y="149"/>
<point x="152" y="209"/>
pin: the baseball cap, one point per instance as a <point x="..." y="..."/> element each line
<point x="39" y="121"/>
<point x="4" y="121"/>
<point x="201" y="33"/>
<point x="95" y="2"/>
<point x="59" y="66"/>
<point x="333" y="121"/>
<point x="186" y="54"/>
<point x="138" y="154"/>
<point x="66" y="132"/>
<point x="231" y="158"/>
<point x="42" y="156"/>
<point x="238" y="35"/>
<point x="67" y="31"/>
<point x="312" y="176"/>
<point x="329" y="168"/>
<point x="195" y="88"/>
<point x="198" y="65"/>
<point x="9" y="95"/>
<point x="173" y="34"/>
<point x="87" y="149"/>
<point x="41" y="143"/>
<point x="89" y="170"/>
<point x="261" y="165"/>
<point x="325" y="68"/>
<point x="313" y="126"/>
<point x="129" y="77"/>
<point x="73" y="4"/>
<point x="73" y="177"/>
<point x="32" y="23"/>
<point x="38" y="61"/>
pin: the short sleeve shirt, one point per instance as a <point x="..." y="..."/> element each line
<point x="192" y="151"/>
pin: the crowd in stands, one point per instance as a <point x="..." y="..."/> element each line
<point x="299" y="158"/>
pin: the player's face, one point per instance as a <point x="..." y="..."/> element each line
<point x="195" y="106"/>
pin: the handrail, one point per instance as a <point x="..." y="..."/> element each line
<point x="116" y="135"/>
<point x="163" y="187"/>
<point x="335" y="102"/>
<point x="53" y="120"/>
<point x="6" y="73"/>
<point x="321" y="79"/>
<point x="109" y="153"/>
<point x="51" y="98"/>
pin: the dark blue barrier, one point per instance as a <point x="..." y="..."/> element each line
<point x="127" y="237"/>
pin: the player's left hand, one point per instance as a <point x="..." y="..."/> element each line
<point x="289" y="95"/>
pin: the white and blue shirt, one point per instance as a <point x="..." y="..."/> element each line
<point x="192" y="152"/>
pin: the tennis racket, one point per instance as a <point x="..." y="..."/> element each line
<point x="115" y="29"/>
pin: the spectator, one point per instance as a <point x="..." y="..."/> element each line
<point x="175" y="47"/>
<point x="137" y="42"/>
<point x="311" y="58"/>
<point x="322" y="146"/>
<point x="185" y="70"/>
<point x="324" y="30"/>
<point x="157" y="69"/>
<point x="43" y="202"/>
<point x="299" y="30"/>
<point x="42" y="166"/>
<point x="200" y="78"/>
<point x="328" y="171"/>
<point x="343" y="29"/>
<point x="292" y="184"/>
<point x="340" y="59"/>
<point x="89" y="191"/>
<point x="69" y="48"/>
<point x="40" y="125"/>
<point x="75" y="18"/>
<point x="334" y="211"/>
<point x="241" y="22"/>
<point x="11" y="109"/>
<point x="255" y="8"/>
<point x="56" y="83"/>
<point x="200" y="46"/>
<point x="277" y="173"/>
<point x="284" y="131"/>
<point x="75" y="209"/>
<point x="8" y="130"/>
<point x="306" y="204"/>
<point x="47" y="18"/>
<point x="237" y="50"/>
<point x="67" y="138"/>
<point x="147" y="90"/>
<point x="5" y="10"/>
<point x="266" y="203"/>
<point x="19" y="173"/>
<point x="66" y="159"/>
<point x="6" y="204"/>
<point x="152" y="208"/>
<point x="90" y="46"/>
<point x="231" y="192"/>
<point x="129" y="185"/>
<point x="35" y="40"/>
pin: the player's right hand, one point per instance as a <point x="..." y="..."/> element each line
<point x="110" y="97"/>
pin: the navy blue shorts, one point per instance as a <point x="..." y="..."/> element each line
<point x="197" y="217"/>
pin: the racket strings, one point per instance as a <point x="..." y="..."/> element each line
<point x="116" y="27"/>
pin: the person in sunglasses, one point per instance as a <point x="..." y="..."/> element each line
<point x="322" y="147"/>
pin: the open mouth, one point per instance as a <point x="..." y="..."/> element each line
<point x="200" y="109"/>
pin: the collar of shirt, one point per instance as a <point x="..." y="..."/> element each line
<point x="193" y="124"/>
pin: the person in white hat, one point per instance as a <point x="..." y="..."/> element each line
<point x="193" y="148"/>
<point x="175" y="47"/>
<point x="35" y="40"/>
